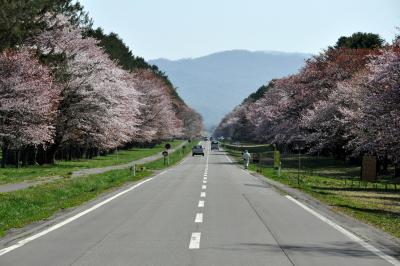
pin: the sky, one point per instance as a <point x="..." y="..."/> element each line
<point x="177" y="29"/>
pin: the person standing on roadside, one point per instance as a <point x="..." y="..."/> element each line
<point x="246" y="159"/>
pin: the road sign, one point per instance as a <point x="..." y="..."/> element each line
<point x="166" y="157"/>
<point x="368" y="169"/>
<point x="168" y="146"/>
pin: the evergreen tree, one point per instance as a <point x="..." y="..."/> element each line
<point x="360" y="40"/>
<point x="21" y="19"/>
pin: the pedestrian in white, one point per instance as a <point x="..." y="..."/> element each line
<point x="246" y="159"/>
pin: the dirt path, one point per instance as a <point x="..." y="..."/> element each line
<point x="83" y="172"/>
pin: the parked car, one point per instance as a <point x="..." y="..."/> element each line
<point x="205" y="138"/>
<point x="215" y="145"/>
<point x="198" y="150"/>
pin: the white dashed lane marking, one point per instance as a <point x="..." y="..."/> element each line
<point x="202" y="195"/>
<point x="201" y="204"/>
<point x="199" y="218"/>
<point x="195" y="241"/>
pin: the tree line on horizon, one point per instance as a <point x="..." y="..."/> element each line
<point x="69" y="91"/>
<point x="344" y="102"/>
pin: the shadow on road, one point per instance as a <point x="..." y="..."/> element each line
<point x="341" y="249"/>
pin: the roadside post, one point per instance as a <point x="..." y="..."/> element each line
<point x="277" y="159"/>
<point x="183" y="150"/>
<point x="299" y="165"/>
<point x="133" y="169"/>
<point x="279" y="169"/>
<point x="299" y="145"/>
<point x="166" y="157"/>
<point x="166" y="153"/>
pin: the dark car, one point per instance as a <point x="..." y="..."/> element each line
<point x="215" y="145"/>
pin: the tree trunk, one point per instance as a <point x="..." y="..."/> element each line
<point x="69" y="153"/>
<point x="35" y="152"/>
<point x="4" y="151"/>
<point x="51" y="153"/>
<point x="385" y="164"/>
<point x="397" y="170"/>
<point x="25" y="155"/>
<point x="90" y="153"/>
<point x="17" y="158"/>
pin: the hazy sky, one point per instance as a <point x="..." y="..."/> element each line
<point x="187" y="28"/>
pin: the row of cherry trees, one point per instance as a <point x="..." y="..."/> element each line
<point x="62" y="95"/>
<point x="343" y="102"/>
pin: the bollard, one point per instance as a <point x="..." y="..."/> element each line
<point x="133" y="169"/>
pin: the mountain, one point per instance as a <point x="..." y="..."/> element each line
<point x="216" y="83"/>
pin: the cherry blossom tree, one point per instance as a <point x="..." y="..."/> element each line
<point x="28" y="99"/>
<point x="192" y="123"/>
<point x="376" y="125"/>
<point x="329" y="122"/>
<point x="158" y="119"/>
<point x="99" y="105"/>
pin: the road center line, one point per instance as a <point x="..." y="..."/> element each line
<point x="199" y="218"/>
<point x="347" y="233"/>
<point x="195" y="241"/>
<point x="201" y="204"/>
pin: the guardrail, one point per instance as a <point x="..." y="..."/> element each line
<point x="251" y="148"/>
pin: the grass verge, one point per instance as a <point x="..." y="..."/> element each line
<point x="22" y="207"/>
<point x="174" y="157"/>
<point x="65" y="168"/>
<point x="377" y="204"/>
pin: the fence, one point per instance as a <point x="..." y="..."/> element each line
<point x="298" y="168"/>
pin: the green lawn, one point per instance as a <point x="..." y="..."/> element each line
<point x="337" y="184"/>
<point x="64" y="168"/>
<point x="20" y="208"/>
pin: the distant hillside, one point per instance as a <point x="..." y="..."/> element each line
<point x="216" y="83"/>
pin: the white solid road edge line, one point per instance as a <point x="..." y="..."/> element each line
<point x="183" y="161"/>
<point x="347" y="233"/>
<point x="229" y="160"/>
<point x="195" y="240"/>
<point x="71" y="219"/>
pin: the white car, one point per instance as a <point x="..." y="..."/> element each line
<point x="198" y="150"/>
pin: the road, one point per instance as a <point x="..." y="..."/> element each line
<point x="205" y="211"/>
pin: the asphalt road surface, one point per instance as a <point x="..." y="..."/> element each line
<point x="205" y="211"/>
